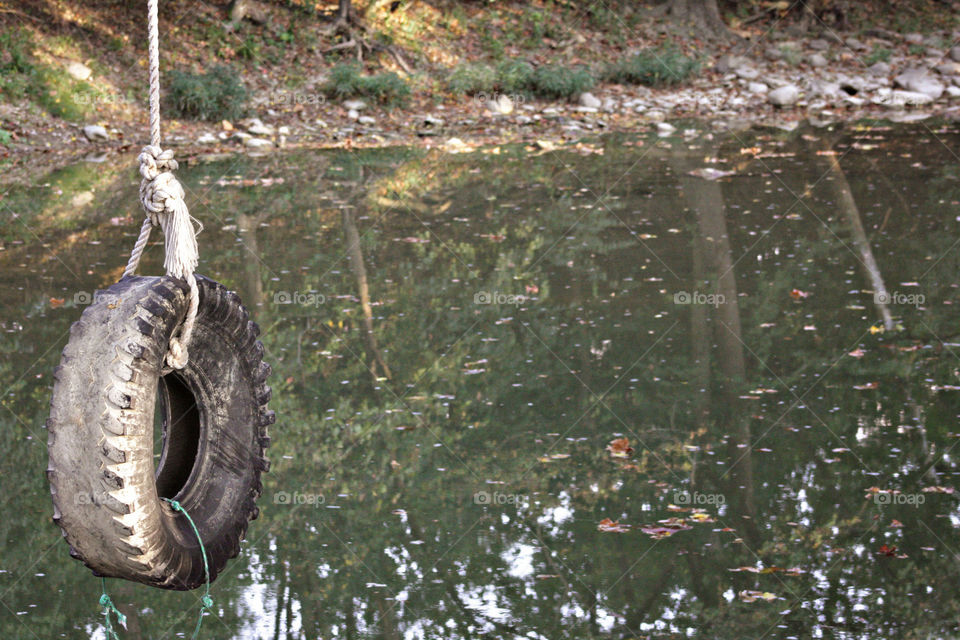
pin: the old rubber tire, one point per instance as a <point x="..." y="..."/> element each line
<point x="106" y="493"/>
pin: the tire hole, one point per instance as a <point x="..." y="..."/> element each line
<point x="176" y="435"/>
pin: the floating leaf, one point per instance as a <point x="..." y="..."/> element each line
<point x="620" y="448"/>
<point x="609" y="526"/>
<point x="753" y="596"/>
<point x="797" y="294"/>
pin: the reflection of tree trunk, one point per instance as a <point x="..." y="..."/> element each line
<point x="281" y="593"/>
<point x="705" y="198"/>
<point x="247" y="229"/>
<point x="388" y="619"/>
<point x="842" y="197"/>
<point x="355" y="257"/>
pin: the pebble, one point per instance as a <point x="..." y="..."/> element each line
<point x="784" y="96"/>
<point x="879" y="69"/>
<point x="919" y="81"/>
<point x="353" y="114"/>
<point x="665" y="128"/>
<point x="900" y="98"/>
<point x="913" y="38"/>
<point x="95" y="132"/>
<point x="354" y="105"/>
<point x="367" y="120"/>
<point x="501" y="105"/>
<point x="260" y="129"/>
<point x="955" y="54"/>
<point x="757" y="87"/>
<point x="819" y="44"/>
<point x="207" y="138"/>
<point x="816" y="60"/>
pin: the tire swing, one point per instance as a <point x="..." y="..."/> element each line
<point x="176" y="527"/>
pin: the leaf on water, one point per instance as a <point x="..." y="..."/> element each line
<point x="890" y="552"/>
<point x="875" y="329"/>
<point x="937" y="490"/>
<point x="701" y="517"/>
<point x="753" y="596"/>
<point x="620" y="448"/>
<point x="56" y="302"/>
<point x="797" y="294"/>
<point x="547" y="576"/>
<point x="856" y="353"/>
<point x="867" y="386"/>
<point x="709" y="173"/>
<point x="896" y="524"/>
<point x="609" y="526"/>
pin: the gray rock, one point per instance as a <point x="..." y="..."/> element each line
<point x="207" y="138"/>
<point x="919" y="81"/>
<point x="609" y="104"/>
<point x="747" y="72"/>
<point x="879" y="69"/>
<point x="784" y="96"/>
<point x="819" y="44"/>
<point x="368" y="120"/>
<point x="816" y="60"/>
<point x="856" y="45"/>
<point x="587" y="99"/>
<point x="78" y="70"/>
<point x="665" y="128"/>
<point x="948" y="68"/>
<point x="284" y="130"/>
<point x="355" y="105"/>
<point x="588" y="109"/>
<point x="913" y="38"/>
<point x="524" y="119"/>
<point x="95" y="132"/>
<point x="772" y="53"/>
<point x="353" y="114"/>
<point x="656" y="115"/>
<point x="757" y="87"/>
<point x="728" y="63"/>
<point x="953" y="92"/>
<point x="899" y="98"/>
<point x="955" y="54"/>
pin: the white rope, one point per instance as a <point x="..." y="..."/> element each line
<point x="161" y="197"/>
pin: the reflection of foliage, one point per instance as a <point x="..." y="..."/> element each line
<point x="484" y="394"/>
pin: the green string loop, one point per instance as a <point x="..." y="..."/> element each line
<point x="108" y="609"/>
<point x="206" y="601"/>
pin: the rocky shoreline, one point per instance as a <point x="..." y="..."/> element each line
<point x="778" y="83"/>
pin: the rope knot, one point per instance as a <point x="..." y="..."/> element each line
<point x="160" y="191"/>
<point x="105" y="601"/>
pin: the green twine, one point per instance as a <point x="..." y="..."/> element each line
<point x="109" y="608"/>
<point x="206" y="601"/>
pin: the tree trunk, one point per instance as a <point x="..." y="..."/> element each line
<point x="701" y="15"/>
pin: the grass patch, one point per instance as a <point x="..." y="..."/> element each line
<point x="49" y="87"/>
<point x="347" y="81"/>
<point x="879" y="54"/>
<point x="652" y="68"/>
<point x="520" y="78"/>
<point x="215" y="95"/>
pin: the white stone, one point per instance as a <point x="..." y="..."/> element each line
<point x="78" y="70"/>
<point x="784" y="96"/>
<point x="354" y="105"/>
<point x="95" y="132"/>
<point x="258" y="143"/>
<point x="953" y="92"/>
<point x="587" y="99"/>
<point x="879" y="69"/>
<point x="757" y="87"/>
<point x="353" y="114"/>
<point x="501" y="105"/>
<point x="260" y="129"/>
<point x="747" y="72"/>
<point x="955" y="54"/>
<point x="367" y="120"/>
<point x="900" y="98"/>
<point x="207" y="138"/>
<point x="817" y="61"/>
<point x="665" y="128"/>
<point x="284" y="130"/>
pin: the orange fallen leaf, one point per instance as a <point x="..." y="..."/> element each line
<point x="620" y="448"/>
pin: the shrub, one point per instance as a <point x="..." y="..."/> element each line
<point x="215" y="95"/>
<point x="347" y="81"/>
<point x="557" y="81"/>
<point x="513" y="76"/>
<point x="472" y="78"/>
<point x="652" y="67"/>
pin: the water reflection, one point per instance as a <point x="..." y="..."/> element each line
<point x="583" y="393"/>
